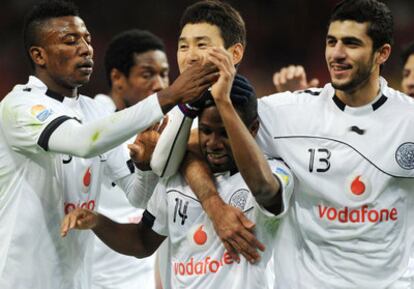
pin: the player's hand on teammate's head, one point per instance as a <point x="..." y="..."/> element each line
<point x="142" y="149"/>
<point x="191" y="83"/>
<point x="292" y="78"/>
<point x="235" y="230"/>
<point x="80" y="219"/>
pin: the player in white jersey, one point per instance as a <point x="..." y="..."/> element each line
<point x="55" y="146"/>
<point x="199" y="260"/>
<point x="136" y="66"/>
<point x="350" y="146"/>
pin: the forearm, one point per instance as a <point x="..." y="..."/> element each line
<point x="249" y="159"/>
<point x="138" y="187"/>
<point x="100" y="135"/>
<point x="200" y="179"/>
<point x="171" y="146"/>
<point x="127" y="239"/>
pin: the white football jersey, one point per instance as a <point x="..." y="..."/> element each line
<point x="38" y="187"/>
<point x="198" y="258"/>
<point x="111" y="269"/>
<point x="351" y="221"/>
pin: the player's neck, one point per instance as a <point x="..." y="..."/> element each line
<point x="54" y="86"/>
<point x="118" y="100"/>
<point x="361" y="95"/>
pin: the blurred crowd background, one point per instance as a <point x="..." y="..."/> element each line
<point x="279" y="33"/>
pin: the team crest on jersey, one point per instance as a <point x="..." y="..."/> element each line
<point x="405" y="156"/>
<point x="41" y="112"/>
<point x="239" y="199"/>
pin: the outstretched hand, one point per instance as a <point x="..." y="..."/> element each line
<point x="143" y="147"/>
<point x="80" y="219"/>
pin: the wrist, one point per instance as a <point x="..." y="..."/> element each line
<point x="212" y="205"/>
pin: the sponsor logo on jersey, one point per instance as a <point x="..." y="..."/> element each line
<point x="358" y="187"/>
<point x="86" y="180"/>
<point x="404" y="156"/>
<point x="41" y="112"/>
<point x="206" y="266"/>
<point x="69" y="207"/>
<point x="239" y="198"/>
<point x="281" y="173"/>
<point x="364" y="214"/>
<point x="200" y="236"/>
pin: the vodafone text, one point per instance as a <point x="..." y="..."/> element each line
<point x="89" y="204"/>
<point x="205" y="266"/>
<point x="363" y="214"/>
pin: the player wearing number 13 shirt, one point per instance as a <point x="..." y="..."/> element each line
<point x="351" y="146"/>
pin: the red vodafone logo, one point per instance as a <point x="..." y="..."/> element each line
<point x="87" y="178"/>
<point x="200" y="236"/>
<point x="357" y="186"/>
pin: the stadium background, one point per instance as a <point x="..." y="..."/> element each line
<point x="278" y="33"/>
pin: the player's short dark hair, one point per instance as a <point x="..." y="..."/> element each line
<point x="377" y="14"/>
<point x="38" y="15"/>
<point x="406" y="52"/>
<point x="220" y="14"/>
<point x="123" y="48"/>
<point x="243" y="98"/>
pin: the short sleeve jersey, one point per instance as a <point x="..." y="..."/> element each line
<point x="351" y="223"/>
<point x="198" y="258"/>
<point x="38" y="187"/>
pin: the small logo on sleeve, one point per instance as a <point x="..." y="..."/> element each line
<point x="282" y="174"/>
<point x="41" y="112"/>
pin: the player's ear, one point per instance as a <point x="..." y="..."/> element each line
<point x="237" y="51"/>
<point x="38" y="55"/>
<point x="117" y="79"/>
<point x="383" y="53"/>
<point x="254" y="127"/>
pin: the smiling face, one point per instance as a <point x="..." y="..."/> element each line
<point x="349" y="55"/>
<point x="64" y="54"/>
<point x="194" y="41"/>
<point x="148" y="75"/>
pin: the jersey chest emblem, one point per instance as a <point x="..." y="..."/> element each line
<point x="404" y="156"/>
<point x="239" y="199"/>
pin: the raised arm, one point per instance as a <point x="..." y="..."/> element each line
<point x="95" y="137"/>
<point x="249" y="159"/>
<point x="129" y="239"/>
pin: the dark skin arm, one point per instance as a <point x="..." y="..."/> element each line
<point x="189" y="86"/>
<point x="231" y="225"/>
<point x="249" y="159"/>
<point x="129" y="239"/>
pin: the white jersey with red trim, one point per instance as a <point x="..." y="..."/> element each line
<point x="198" y="258"/>
<point x="111" y="269"/>
<point x="351" y="223"/>
<point x="38" y="187"/>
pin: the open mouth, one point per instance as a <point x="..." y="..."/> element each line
<point x="216" y="158"/>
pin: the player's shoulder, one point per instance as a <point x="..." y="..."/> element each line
<point x="294" y="98"/>
<point x="96" y="106"/>
<point x="399" y="99"/>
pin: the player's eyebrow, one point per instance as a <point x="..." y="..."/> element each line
<point x="197" y="38"/>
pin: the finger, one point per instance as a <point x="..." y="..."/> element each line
<point x="300" y="72"/>
<point x="232" y="252"/>
<point x="290" y="72"/>
<point x="248" y="235"/>
<point x="64" y="226"/>
<point x="283" y="76"/>
<point x="276" y="80"/>
<point x="245" y="249"/>
<point x="314" y="82"/>
<point x="163" y="124"/>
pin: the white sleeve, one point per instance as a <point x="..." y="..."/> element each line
<point x="156" y="214"/>
<point x="286" y="181"/>
<point x="138" y="187"/>
<point x="98" y="136"/>
<point x="172" y="144"/>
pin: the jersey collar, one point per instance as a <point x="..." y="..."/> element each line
<point x="370" y="107"/>
<point x="36" y="82"/>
